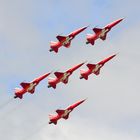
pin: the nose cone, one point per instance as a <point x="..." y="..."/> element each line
<point x="115" y="23"/>
<point x="79" y="31"/>
<point x="82" y="101"/>
<point x="78" y="103"/>
<point x="118" y="21"/>
<point x="107" y="59"/>
<point x="82" y="29"/>
<point x="37" y="80"/>
<point x="76" y="67"/>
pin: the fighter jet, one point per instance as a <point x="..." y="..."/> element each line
<point x="29" y="87"/>
<point x="94" y="68"/>
<point x="101" y="33"/>
<point x="64" y="40"/>
<point x="62" y="76"/>
<point x="63" y="113"/>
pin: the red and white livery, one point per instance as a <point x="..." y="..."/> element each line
<point x="94" y="68"/>
<point x="101" y="32"/>
<point x="62" y="76"/>
<point x="64" y="40"/>
<point x="63" y="113"/>
<point x="29" y="87"/>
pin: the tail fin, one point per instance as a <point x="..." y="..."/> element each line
<point x="53" y="46"/>
<point x="83" y="74"/>
<point x="17" y="90"/>
<point x="51" y="83"/>
<point x="50" y="118"/>
<point x="89" y="40"/>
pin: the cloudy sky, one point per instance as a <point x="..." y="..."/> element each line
<point x="112" y="110"/>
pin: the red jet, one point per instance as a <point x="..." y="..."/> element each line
<point x="65" y="40"/>
<point x="63" y="113"/>
<point x="28" y="87"/>
<point x="101" y="33"/>
<point x="62" y="76"/>
<point x="94" y="68"/>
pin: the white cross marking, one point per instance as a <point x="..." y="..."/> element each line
<point x="68" y="39"/>
<point x="32" y="86"/>
<point x="103" y="32"/>
<point x="96" y="68"/>
<point x="65" y="76"/>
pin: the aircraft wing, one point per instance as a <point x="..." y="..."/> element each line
<point x="97" y="30"/>
<point x="65" y="81"/>
<point x="32" y="91"/>
<point x="24" y="85"/>
<point x="58" y="74"/>
<point x="61" y="38"/>
<point x="91" y="66"/>
<point x="103" y="37"/>
<point x="66" y="117"/>
<point x="97" y="72"/>
<point x="67" y="45"/>
<point x="59" y="111"/>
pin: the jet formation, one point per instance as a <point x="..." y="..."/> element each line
<point x="64" y="76"/>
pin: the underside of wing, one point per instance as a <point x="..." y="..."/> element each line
<point x="103" y="37"/>
<point x="97" y="72"/>
<point x="67" y="45"/>
<point x="32" y="91"/>
<point x="65" y="81"/>
<point x="66" y="117"/>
